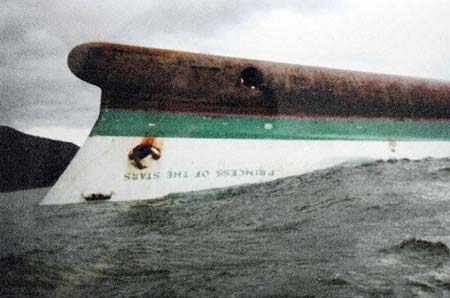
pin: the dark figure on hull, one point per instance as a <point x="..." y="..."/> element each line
<point x="141" y="151"/>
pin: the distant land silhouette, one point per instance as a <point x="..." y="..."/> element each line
<point x="28" y="161"/>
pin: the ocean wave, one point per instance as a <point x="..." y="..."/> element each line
<point x="366" y="229"/>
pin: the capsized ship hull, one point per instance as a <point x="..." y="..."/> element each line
<point x="203" y="152"/>
<point x="161" y="131"/>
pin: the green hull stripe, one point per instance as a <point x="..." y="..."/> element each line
<point x="115" y="122"/>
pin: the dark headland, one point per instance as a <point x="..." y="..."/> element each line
<point x="29" y="162"/>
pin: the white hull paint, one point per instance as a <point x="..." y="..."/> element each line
<point x="187" y="164"/>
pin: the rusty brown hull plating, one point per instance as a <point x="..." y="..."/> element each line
<point x="164" y="80"/>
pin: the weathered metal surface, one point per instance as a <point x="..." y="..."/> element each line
<point x="163" y="80"/>
<point x="174" y="97"/>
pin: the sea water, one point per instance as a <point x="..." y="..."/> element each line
<point x="373" y="229"/>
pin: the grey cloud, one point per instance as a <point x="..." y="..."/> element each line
<point x="36" y="36"/>
<point x="12" y="32"/>
<point x="206" y="17"/>
<point x="38" y="100"/>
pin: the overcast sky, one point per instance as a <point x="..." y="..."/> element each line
<point x="38" y="94"/>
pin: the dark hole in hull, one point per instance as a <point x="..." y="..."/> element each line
<point x="252" y="77"/>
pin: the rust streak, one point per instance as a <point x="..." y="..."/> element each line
<point x="392" y="145"/>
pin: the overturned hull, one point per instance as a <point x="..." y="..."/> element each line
<point x="176" y="122"/>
